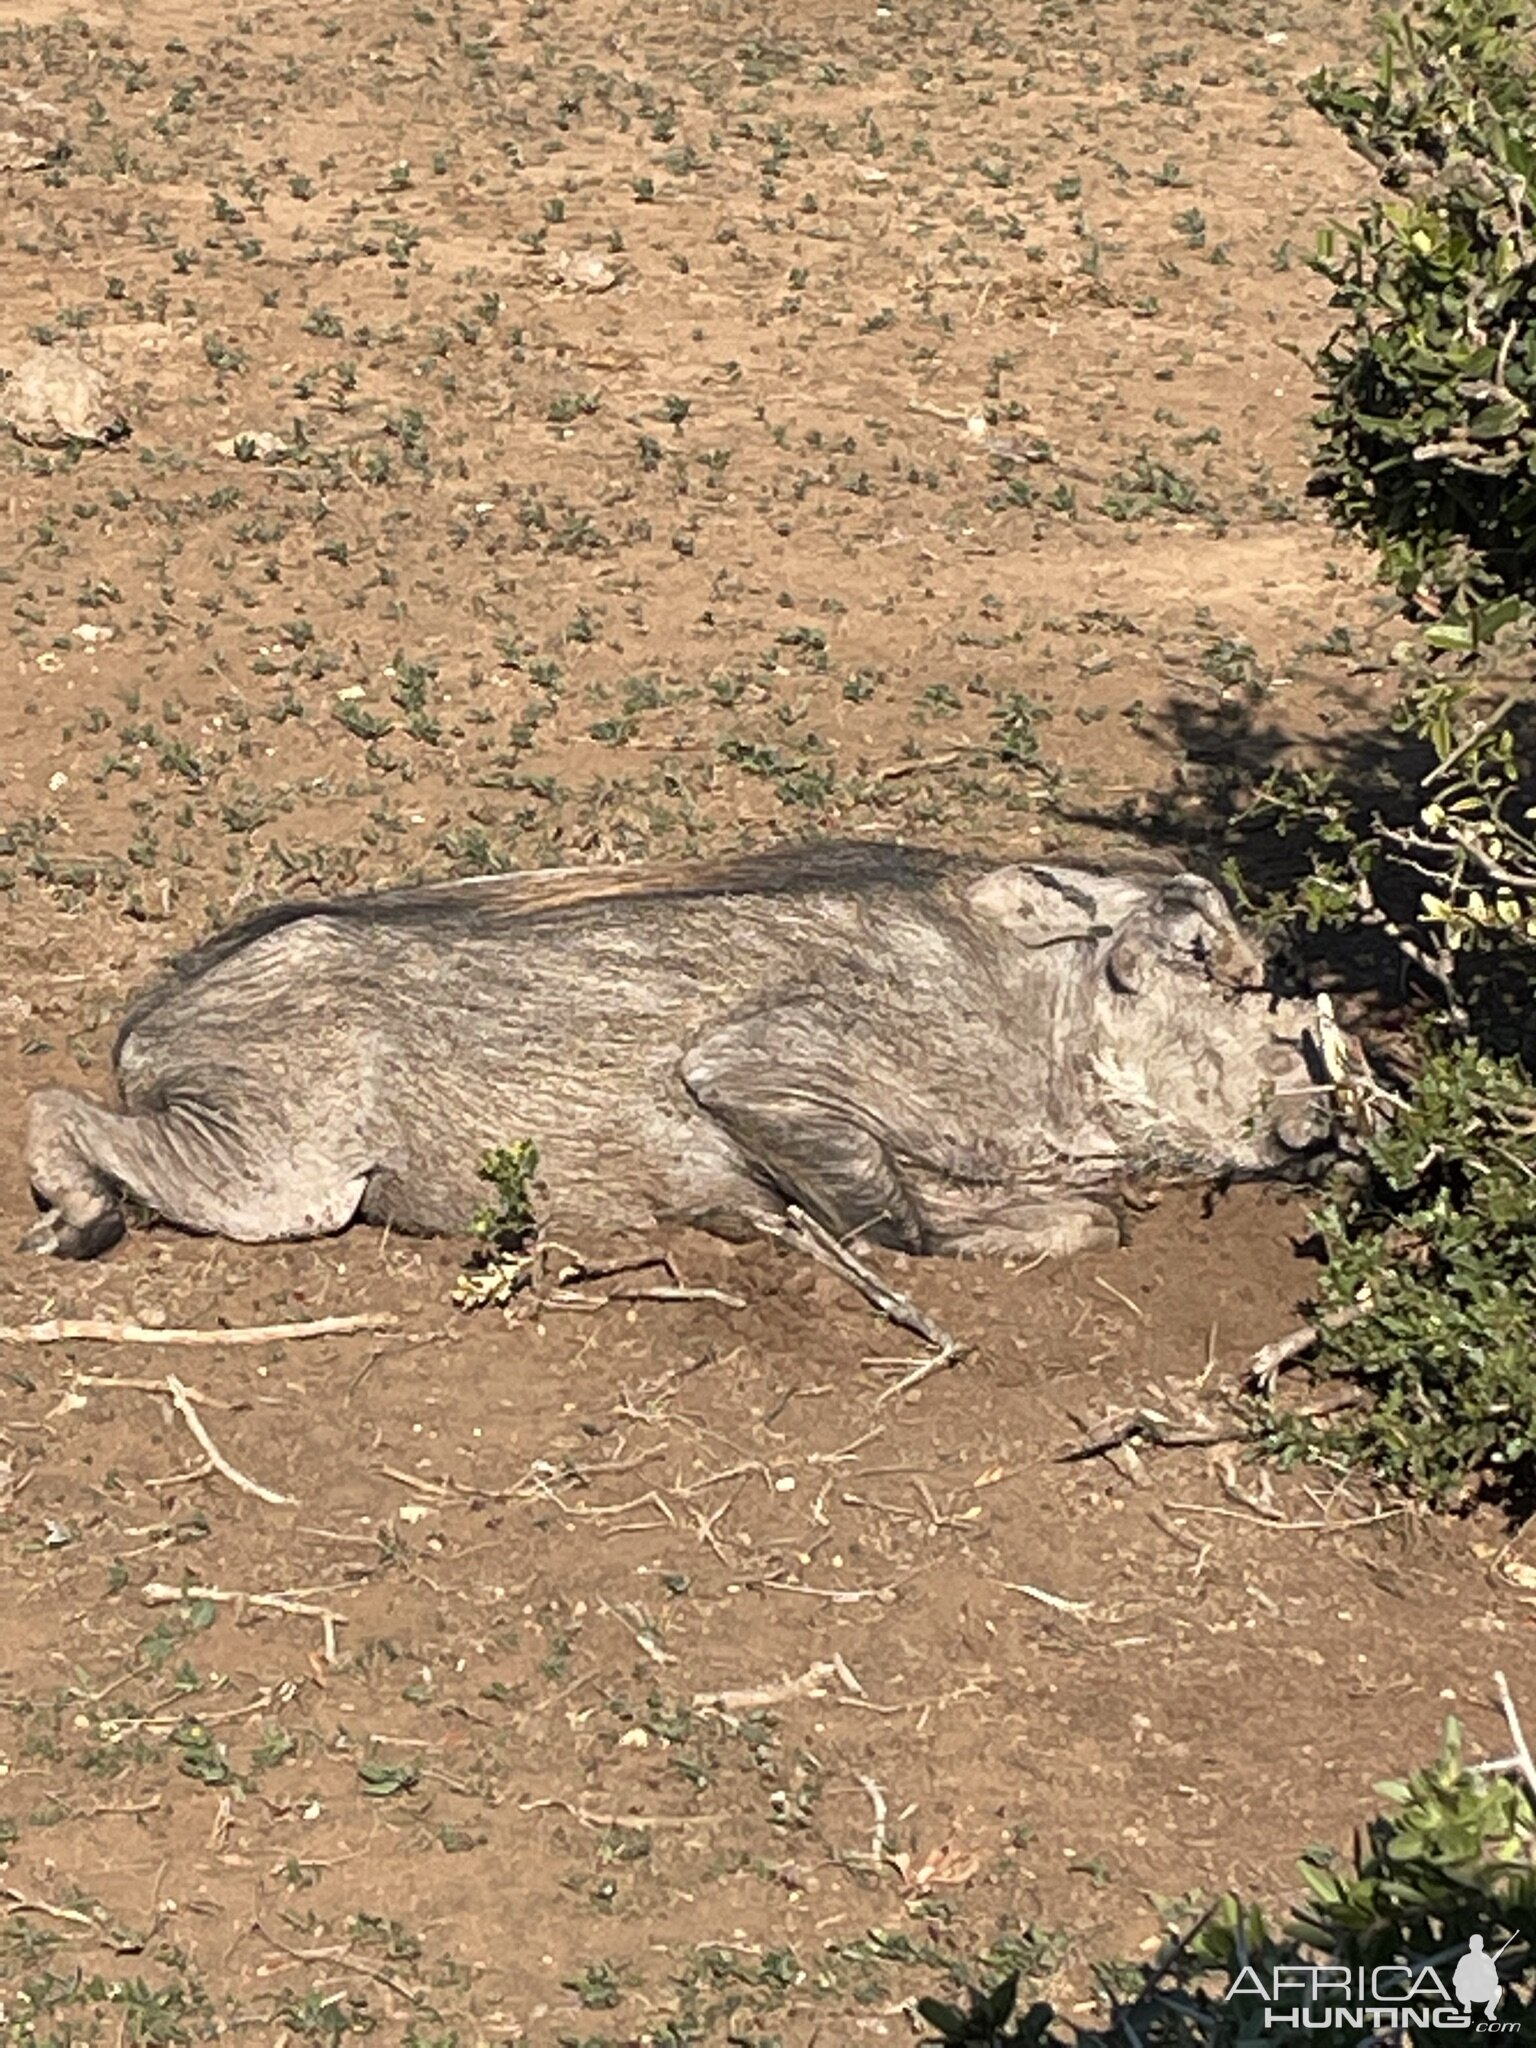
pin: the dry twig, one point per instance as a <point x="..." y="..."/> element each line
<point x="111" y="1379"/>
<point x="1056" y="1600"/>
<point x="213" y="1454"/>
<point x="1316" y="1526"/>
<point x="620" y="1820"/>
<point x="343" y="1959"/>
<point x="807" y="1235"/>
<point x="640" y="1629"/>
<point x="579" y="1274"/>
<point x="18" y="1902"/>
<point x="949" y="1353"/>
<point x="1520" y="1758"/>
<point x="1172" y="1432"/>
<point x="1271" y="1359"/>
<point x="158" y="1594"/>
<point x="878" y="1840"/>
<point x="810" y="1685"/>
<point x="68" y="1331"/>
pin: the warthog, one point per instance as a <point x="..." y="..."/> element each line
<point x="917" y="1049"/>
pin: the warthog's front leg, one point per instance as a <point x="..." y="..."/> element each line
<point x="187" y="1162"/>
<point x="782" y="1085"/>
<point x="1034" y="1229"/>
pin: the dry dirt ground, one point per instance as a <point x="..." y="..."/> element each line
<point x="681" y="426"/>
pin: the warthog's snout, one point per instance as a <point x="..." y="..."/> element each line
<point x="913" y="1048"/>
<point x="1322" y="1086"/>
<point x="1301" y="1106"/>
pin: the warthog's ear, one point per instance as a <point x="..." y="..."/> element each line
<point x="1186" y="928"/>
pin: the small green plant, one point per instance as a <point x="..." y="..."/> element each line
<point x="505" y="1257"/>
<point x="365" y="725"/>
<point x="223" y="355"/>
<point x="1016" y="725"/>
<point x="317" y="2017"/>
<point x="988" y="2013"/>
<point x="597" y="1987"/>
<point x="1146" y="486"/>
<point x="202" y="1756"/>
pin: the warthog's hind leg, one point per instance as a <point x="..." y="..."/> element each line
<point x="186" y="1163"/>
<point x="82" y="1205"/>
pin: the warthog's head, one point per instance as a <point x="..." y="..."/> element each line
<point x="1189" y="1062"/>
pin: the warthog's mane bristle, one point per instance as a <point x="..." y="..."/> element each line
<point x="483" y="904"/>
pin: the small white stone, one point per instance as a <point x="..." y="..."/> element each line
<point x="54" y="397"/>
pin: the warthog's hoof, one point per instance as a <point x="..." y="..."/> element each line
<point x="52" y="1237"/>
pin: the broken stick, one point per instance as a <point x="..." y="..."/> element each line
<point x="809" y="1236"/>
<point x="68" y="1331"/>
<point x="159" y="1594"/>
<point x="213" y="1454"/>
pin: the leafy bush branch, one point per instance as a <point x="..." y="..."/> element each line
<point x="1428" y="449"/>
<point x="1429" y="426"/>
<point x="1452" y="1856"/>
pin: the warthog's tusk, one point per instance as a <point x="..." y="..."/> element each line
<point x="1360" y="1102"/>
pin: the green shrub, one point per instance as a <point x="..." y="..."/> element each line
<point x="1429" y="425"/>
<point x="1426" y="845"/>
<point x="1439" y="1251"/>
<point x="1428" y="1296"/>
<point x="1454" y="1856"/>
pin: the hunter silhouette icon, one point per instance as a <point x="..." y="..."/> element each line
<point x="1477" y="1978"/>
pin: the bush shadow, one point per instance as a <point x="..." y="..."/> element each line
<point x="1218" y="817"/>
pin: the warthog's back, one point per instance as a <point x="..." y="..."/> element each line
<point x="838" y="884"/>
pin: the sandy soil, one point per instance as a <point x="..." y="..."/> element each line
<point x="576" y="434"/>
